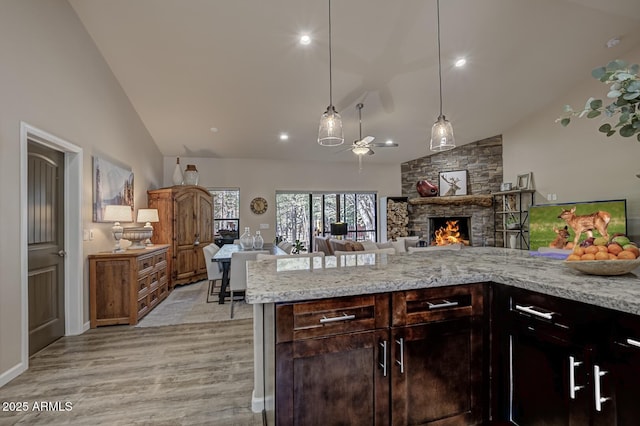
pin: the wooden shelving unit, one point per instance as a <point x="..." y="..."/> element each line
<point x="511" y="217"/>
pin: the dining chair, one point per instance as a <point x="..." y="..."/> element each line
<point x="286" y="246"/>
<point x="214" y="270"/>
<point x="238" y="273"/>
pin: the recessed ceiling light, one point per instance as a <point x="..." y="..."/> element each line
<point x="305" y="39"/>
<point x="284" y="136"/>
<point x="460" y="62"/>
<point x="214" y="129"/>
<point x="389" y="142"/>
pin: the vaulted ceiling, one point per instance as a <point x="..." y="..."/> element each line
<point x="192" y="65"/>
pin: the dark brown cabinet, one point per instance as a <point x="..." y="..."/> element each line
<point x="186" y="224"/>
<point x="412" y="357"/>
<point x="565" y="365"/>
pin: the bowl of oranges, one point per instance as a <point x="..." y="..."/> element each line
<point x="600" y="256"/>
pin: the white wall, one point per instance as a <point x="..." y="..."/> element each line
<point x="576" y="162"/>
<point x="262" y="178"/>
<point x="53" y="78"/>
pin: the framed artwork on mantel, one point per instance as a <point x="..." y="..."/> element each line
<point x="453" y="183"/>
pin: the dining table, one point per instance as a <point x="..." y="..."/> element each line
<point x="223" y="257"/>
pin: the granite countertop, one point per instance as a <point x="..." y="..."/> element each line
<point x="289" y="280"/>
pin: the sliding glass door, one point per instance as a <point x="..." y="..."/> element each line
<point x="300" y="216"/>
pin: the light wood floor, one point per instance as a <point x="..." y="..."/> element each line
<point x="191" y="374"/>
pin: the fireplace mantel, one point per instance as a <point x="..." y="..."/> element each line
<point x="484" y="200"/>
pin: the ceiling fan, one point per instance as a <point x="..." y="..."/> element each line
<point x="363" y="145"/>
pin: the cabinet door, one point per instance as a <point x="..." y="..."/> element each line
<point x="337" y="380"/>
<point x="205" y="229"/>
<point x="542" y="371"/>
<point x="618" y="385"/>
<point x="437" y="373"/>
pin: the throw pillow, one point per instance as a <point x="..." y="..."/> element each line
<point x="399" y="246"/>
<point x="370" y="245"/>
<point x="357" y="246"/>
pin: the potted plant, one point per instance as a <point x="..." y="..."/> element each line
<point x="298" y="247"/>
<point x="624" y="89"/>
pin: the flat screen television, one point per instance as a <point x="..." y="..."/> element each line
<point x="544" y="219"/>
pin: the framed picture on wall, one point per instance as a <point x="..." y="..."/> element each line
<point x="112" y="185"/>
<point x="453" y="183"/>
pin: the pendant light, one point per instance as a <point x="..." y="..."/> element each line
<point x="442" y="131"/>
<point x="330" y="132"/>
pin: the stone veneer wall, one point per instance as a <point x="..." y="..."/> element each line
<point x="483" y="162"/>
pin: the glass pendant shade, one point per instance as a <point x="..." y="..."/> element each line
<point x="442" y="135"/>
<point x="330" y="131"/>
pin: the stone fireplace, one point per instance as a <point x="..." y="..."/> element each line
<point x="483" y="162"/>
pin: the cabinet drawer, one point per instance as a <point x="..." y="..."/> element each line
<point x="160" y="260"/>
<point x="145" y="264"/>
<point x="143" y="286"/>
<point x="437" y="304"/>
<point x="153" y="281"/>
<point x="321" y="318"/>
<point x="163" y="291"/>
<point x="143" y="306"/>
<point x="162" y="275"/>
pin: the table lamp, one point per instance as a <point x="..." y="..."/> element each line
<point x="148" y="216"/>
<point x="117" y="214"/>
<point x="339" y="229"/>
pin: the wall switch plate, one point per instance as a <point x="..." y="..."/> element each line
<point x="85" y="235"/>
<point x="264" y="226"/>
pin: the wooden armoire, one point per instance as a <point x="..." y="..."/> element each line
<point x="186" y="224"/>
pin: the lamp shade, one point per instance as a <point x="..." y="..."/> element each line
<point x="148" y="215"/>
<point x="442" y="135"/>
<point x="117" y="213"/>
<point x="339" y="228"/>
<point x="330" y="131"/>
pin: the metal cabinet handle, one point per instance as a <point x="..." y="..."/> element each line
<point x="530" y="310"/>
<point x="344" y="317"/>
<point x="444" y="304"/>
<point x="572" y="377"/>
<point x="633" y="342"/>
<point x="599" y="399"/>
<point x="383" y="364"/>
<point x="400" y="362"/>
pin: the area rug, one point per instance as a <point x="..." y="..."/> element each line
<point x="187" y="304"/>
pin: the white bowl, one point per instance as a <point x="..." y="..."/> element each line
<point x="603" y="267"/>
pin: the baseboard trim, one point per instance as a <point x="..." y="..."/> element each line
<point x="12" y="373"/>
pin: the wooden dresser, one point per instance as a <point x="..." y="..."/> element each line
<point x="125" y="286"/>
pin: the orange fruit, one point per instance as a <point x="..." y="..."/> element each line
<point x="602" y="249"/>
<point x="591" y="249"/>
<point x="601" y="255"/>
<point x="588" y="256"/>
<point x="578" y="250"/>
<point x="633" y="249"/>
<point x="613" y="256"/>
<point x="626" y="255"/>
<point x="572" y="257"/>
<point x="614" y="248"/>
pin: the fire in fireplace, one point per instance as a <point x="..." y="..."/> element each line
<point x="450" y="230"/>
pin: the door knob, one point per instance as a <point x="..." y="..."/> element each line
<point x="62" y="253"/>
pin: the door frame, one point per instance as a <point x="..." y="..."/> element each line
<point x="74" y="291"/>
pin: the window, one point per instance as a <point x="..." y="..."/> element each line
<point x="300" y="216"/>
<point x="226" y="213"/>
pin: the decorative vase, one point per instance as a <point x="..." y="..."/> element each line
<point x="177" y="173"/>
<point x="426" y="188"/>
<point x="191" y="175"/>
<point x="246" y="240"/>
<point x="513" y="241"/>
<point x="258" y="241"/>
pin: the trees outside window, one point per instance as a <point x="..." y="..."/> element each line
<point x="226" y="212"/>
<point x="300" y="216"/>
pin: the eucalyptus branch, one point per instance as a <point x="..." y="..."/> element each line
<point x="624" y="88"/>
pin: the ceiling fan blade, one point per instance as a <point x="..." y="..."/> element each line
<point x="349" y="148"/>
<point x="367" y="139"/>
<point x="370" y="152"/>
<point x="383" y="145"/>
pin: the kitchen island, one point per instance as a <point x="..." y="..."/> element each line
<point x="271" y="283"/>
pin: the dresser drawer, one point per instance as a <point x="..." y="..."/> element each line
<point x="304" y="320"/>
<point x="143" y="286"/>
<point x="160" y="260"/>
<point x="145" y="264"/>
<point x="437" y="304"/>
